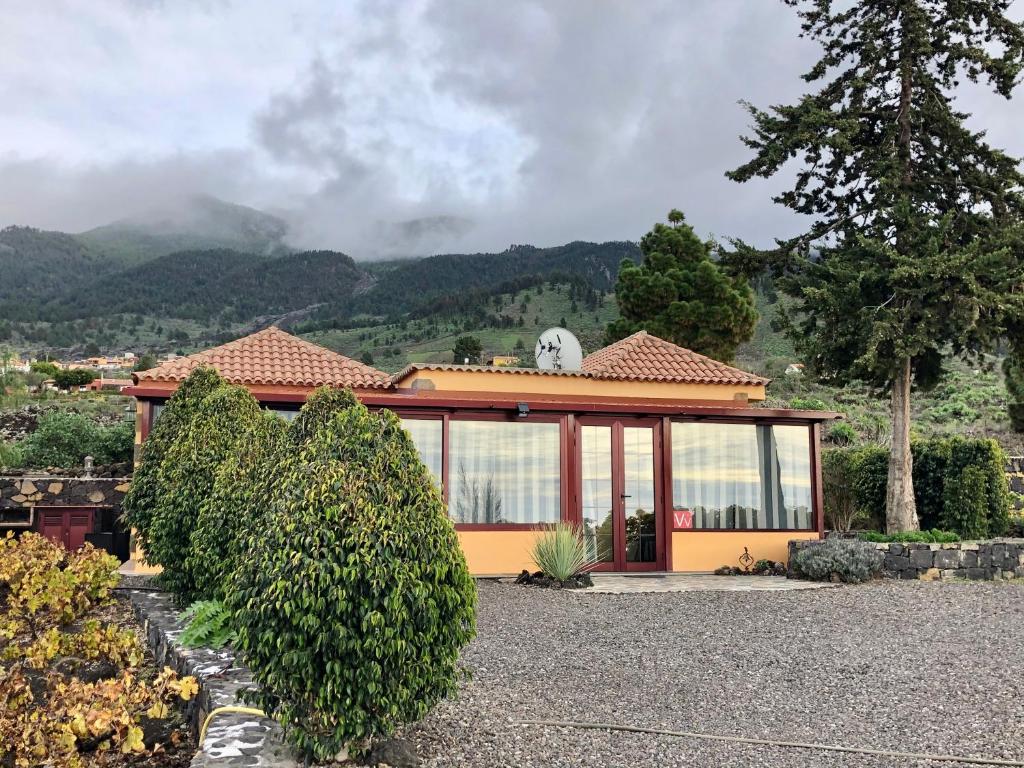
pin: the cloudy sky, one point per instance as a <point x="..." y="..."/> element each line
<point x="507" y="122"/>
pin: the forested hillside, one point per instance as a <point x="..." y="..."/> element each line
<point x="409" y="285"/>
<point x="215" y="286"/>
<point x="36" y="265"/>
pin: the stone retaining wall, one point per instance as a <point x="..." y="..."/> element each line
<point x="977" y="560"/>
<point x="27" y="491"/>
<point x="232" y="740"/>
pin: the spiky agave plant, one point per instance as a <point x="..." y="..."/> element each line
<point x="561" y="552"/>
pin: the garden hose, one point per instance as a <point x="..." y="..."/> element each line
<point x="773" y="743"/>
<point x="229" y="710"/>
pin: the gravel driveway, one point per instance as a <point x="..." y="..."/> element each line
<point x="910" y="666"/>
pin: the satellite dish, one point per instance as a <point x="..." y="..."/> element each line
<point x="558" y="350"/>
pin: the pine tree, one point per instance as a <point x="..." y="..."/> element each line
<point x="904" y="259"/>
<point x="680" y="294"/>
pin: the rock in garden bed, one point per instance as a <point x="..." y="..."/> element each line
<point x="538" y="579"/>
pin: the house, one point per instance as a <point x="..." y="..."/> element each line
<point x="658" y="453"/>
<point x="794" y="369"/>
<point x="500" y="361"/>
<point x="115" y="385"/>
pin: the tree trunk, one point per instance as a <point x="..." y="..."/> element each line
<point x="900" y="510"/>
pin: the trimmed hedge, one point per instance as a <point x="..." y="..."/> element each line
<point x="318" y="411"/>
<point x="147" y="486"/>
<point x="222" y="424"/>
<point x="960" y="484"/>
<point x="352" y="607"/>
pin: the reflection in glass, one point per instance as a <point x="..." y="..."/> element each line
<point x="427" y="434"/>
<point x="598" y="522"/>
<point x="504" y="472"/>
<point x="742" y="476"/>
<point x="638" y="488"/>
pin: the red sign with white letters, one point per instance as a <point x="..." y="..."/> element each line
<point x="682" y="519"/>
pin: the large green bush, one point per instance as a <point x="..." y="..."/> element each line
<point x="147" y="486"/>
<point x="931" y="466"/>
<point x="65" y="438"/>
<point x="353" y="607"/>
<point x="972" y="505"/>
<point x="318" y="411"/>
<point x="236" y="505"/>
<point x="964" y="508"/>
<point x="222" y="425"/>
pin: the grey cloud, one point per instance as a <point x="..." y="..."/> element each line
<point x="458" y="125"/>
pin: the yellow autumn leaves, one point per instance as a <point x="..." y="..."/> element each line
<point x="47" y="714"/>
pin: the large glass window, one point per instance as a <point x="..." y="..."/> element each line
<point x="428" y="435"/>
<point x="504" y="472"/>
<point x="742" y="476"/>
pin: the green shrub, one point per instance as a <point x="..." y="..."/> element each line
<point x="964" y="503"/>
<point x="841" y="433"/>
<point x="352" y="608"/>
<point x="237" y="503"/>
<point x="937" y="462"/>
<point x="147" y="486"/>
<point x="65" y="438"/>
<point x="838" y="475"/>
<point x="846" y="560"/>
<point x="931" y="465"/>
<point x="318" y="411"/>
<point x="561" y="552"/>
<point x="808" y="404"/>
<point x="933" y="536"/>
<point x="208" y="625"/>
<point x="990" y="460"/>
<point x="10" y="455"/>
<point x="222" y="425"/>
<point x="872" y="474"/>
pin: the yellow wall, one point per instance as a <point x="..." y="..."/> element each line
<point x="526" y="383"/>
<point x="708" y="550"/>
<point x="494" y="553"/>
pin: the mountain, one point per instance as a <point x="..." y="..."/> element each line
<point x="214" y="285"/>
<point x="407" y="285"/>
<point x="196" y="223"/>
<point x="37" y="265"/>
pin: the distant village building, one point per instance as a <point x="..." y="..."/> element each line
<point x="503" y="361"/>
<point x="794" y="368"/>
<point x="101" y="384"/>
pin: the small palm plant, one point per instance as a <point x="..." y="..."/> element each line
<point x="561" y="552"/>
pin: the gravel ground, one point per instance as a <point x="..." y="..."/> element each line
<point x="909" y="666"/>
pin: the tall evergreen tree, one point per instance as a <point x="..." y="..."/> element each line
<point x="680" y="294"/>
<point x="905" y="258"/>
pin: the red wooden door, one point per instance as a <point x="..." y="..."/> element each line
<point x="65" y="525"/>
<point x="619" y="492"/>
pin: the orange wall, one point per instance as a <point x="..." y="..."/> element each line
<point x="525" y="383"/>
<point x="493" y="553"/>
<point x="708" y="550"/>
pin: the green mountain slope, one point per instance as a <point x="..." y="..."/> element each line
<point x="214" y="286"/>
<point x="408" y="285"/>
<point x="36" y="266"/>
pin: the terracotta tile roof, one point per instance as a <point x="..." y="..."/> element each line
<point x="643" y="357"/>
<point x="507" y="369"/>
<point x="640" y="357"/>
<point x="273" y="357"/>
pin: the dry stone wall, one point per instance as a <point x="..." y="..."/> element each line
<point x="995" y="559"/>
